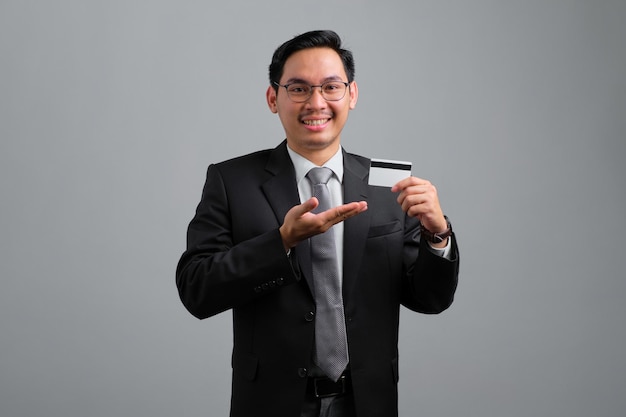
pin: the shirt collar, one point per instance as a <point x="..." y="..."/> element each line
<point x="302" y="165"/>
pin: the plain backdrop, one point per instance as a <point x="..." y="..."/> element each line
<point x="111" y="111"/>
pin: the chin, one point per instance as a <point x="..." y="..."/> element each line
<point x="319" y="143"/>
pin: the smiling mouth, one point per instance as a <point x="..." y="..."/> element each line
<point x="317" y="122"/>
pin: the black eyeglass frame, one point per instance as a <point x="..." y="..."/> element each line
<point x="286" y="86"/>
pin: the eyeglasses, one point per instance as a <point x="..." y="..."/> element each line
<point x="301" y="92"/>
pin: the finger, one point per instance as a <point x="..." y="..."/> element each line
<point x="340" y="213"/>
<point x="413" y="201"/>
<point x="407" y="182"/>
<point x="425" y="189"/>
<point x="306" y="207"/>
<point x="353" y="209"/>
<point x="411" y="193"/>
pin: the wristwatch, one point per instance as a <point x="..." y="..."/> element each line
<point x="437" y="237"/>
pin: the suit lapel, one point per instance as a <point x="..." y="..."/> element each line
<point x="280" y="189"/>
<point x="281" y="192"/>
<point x="355" y="228"/>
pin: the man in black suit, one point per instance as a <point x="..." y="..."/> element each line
<point x="249" y="250"/>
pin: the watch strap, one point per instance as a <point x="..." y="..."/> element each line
<point x="437" y="237"/>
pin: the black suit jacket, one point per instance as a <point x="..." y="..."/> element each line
<point x="235" y="260"/>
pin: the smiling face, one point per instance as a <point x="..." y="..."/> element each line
<point x="313" y="128"/>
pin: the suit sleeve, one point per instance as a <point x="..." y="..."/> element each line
<point x="215" y="274"/>
<point x="430" y="280"/>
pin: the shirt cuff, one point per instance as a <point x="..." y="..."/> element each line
<point x="443" y="252"/>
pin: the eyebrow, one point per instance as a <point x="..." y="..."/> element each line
<point x="325" y="80"/>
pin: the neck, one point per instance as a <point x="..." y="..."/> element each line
<point x="318" y="156"/>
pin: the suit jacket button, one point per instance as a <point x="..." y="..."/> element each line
<point x="264" y="286"/>
<point x="280" y="281"/>
<point x="309" y="316"/>
<point x="257" y="289"/>
<point x="272" y="284"/>
<point x="302" y="372"/>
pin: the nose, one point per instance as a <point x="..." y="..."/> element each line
<point x="316" y="100"/>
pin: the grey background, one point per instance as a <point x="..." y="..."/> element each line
<point x="111" y="111"/>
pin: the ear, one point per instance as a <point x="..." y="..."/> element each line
<point x="354" y="94"/>
<point x="270" y="96"/>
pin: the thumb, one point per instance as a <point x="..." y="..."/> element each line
<point x="309" y="205"/>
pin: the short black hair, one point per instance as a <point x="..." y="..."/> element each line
<point x="312" y="39"/>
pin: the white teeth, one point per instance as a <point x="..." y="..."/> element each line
<point x="315" y="122"/>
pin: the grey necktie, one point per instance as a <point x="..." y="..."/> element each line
<point x="331" y="352"/>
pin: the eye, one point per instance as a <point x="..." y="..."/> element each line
<point x="298" y="89"/>
<point x="333" y="87"/>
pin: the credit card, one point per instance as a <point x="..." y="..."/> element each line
<point x="386" y="172"/>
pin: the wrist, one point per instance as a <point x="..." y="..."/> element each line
<point x="437" y="239"/>
<point x="286" y="244"/>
